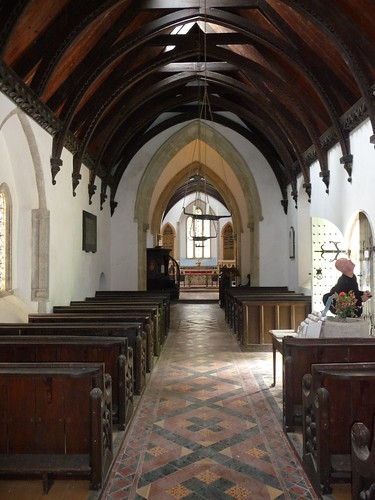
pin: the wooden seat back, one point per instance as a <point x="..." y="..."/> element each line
<point x="363" y="460"/>
<point x="299" y="354"/>
<point x="56" y="419"/>
<point x="335" y="395"/>
<point x="31" y="347"/>
<point x="137" y="338"/>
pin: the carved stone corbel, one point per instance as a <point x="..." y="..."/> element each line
<point x="91" y="189"/>
<point x="347" y="161"/>
<point x="295" y="196"/>
<point x="113" y="206"/>
<point x="284" y="203"/>
<point x="56" y="163"/>
<point x="76" y="177"/>
<point x="307" y="188"/>
<point x="325" y="178"/>
<point x="103" y="197"/>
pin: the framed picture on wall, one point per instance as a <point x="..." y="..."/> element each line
<point x="88" y="232"/>
<point x="292" y="243"/>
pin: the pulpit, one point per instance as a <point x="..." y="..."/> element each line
<point x="163" y="271"/>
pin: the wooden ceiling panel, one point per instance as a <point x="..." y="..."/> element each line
<point x="33" y="21"/>
<point x="293" y="76"/>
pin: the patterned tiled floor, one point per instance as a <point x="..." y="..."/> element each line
<point x="208" y="425"/>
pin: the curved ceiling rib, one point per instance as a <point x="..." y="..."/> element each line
<point x="293" y="77"/>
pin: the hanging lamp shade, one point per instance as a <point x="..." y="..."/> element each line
<point x="206" y="216"/>
<point x="204" y="221"/>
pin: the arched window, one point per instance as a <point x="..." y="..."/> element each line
<point x="198" y="228"/>
<point x="5" y="239"/>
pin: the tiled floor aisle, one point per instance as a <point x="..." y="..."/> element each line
<point x="207" y="426"/>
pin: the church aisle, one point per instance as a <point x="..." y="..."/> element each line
<point x="208" y="424"/>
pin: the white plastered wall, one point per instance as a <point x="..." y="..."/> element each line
<point x="273" y="228"/>
<point x="74" y="274"/>
<point x="343" y="201"/>
<point x="25" y="150"/>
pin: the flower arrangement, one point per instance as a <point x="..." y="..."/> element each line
<point x="345" y="304"/>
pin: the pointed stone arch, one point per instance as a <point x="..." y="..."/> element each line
<point x="40" y="218"/>
<point x="233" y="158"/>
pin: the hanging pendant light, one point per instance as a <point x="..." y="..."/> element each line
<point x="202" y="230"/>
<point x="201" y="199"/>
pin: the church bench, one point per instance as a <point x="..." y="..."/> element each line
<point x="29" y="346"/>
<point x="148" y="313"/>
<point x="133" y="331"/>
<point x="236" y="312"/>
<point x="120" y="294"/>
<point x="259" y="314"/>
<point x="56" y="419"/>
<point x="162" y="310"/>
<point x="233" y="303"/>
<point x="231" y="295"/>
<point x="334" y="396"/>
<point x="145" y="312"/>
<point x="160" y="316"/>
<point x="241" y="312"/>
<point x="362" y="460"/>
<point x="114" y="315"/>
<point x="299" y="354"/>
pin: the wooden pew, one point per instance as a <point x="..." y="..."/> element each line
<point x="56" y="419"/>
<point x="137" y="339"/>
<point x="237" y="313"/>
<point x="363" y="461"/>
<point x="334" y="396"/>
<point x="298" y="356"/>
<point x="231" y="295"/>
<point x="110" y="322"/>
<point x="32" y="347"/>
<point x="157" y="308"/>
<point x="148" y="314"/>
<point x="262" y="313"/>
<point x="126" y="294"/>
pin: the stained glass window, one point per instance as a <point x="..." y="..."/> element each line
<point x="3" y="229"/>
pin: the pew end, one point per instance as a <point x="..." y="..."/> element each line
<point x="65" y="412"/>
<point x="363" y="461"/>
<point x="334" y="396"/>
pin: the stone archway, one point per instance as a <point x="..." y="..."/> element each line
<point x="250" y="220"/>
<point x="40" y="217"/>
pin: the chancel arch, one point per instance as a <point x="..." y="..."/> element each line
<point x="152" y="198"/>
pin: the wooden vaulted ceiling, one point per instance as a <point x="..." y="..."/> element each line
<point x="293" y="77"/>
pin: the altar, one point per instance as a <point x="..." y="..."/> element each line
<point x="200" y="277"/>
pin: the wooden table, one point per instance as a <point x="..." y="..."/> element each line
<point x="277" y="346"/>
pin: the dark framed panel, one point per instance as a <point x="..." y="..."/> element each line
<point x="292" y="243"/>
<point x="88" y="232"/>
